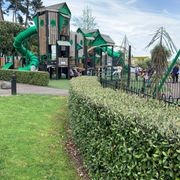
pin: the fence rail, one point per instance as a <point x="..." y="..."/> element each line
<point x="170" y="92"/>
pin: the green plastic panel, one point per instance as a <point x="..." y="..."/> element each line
<point x="61" y="22"/>
<point x="41" y="22"/>
<point x="65" y="10"/>
<point x="53" y="22"/>
<point x="98" y="41"/>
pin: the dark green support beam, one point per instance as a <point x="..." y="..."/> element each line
<point x="167" y="73"/>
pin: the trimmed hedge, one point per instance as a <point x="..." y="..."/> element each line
<point x="123" y="136"/>
<point x="27" y="77"/>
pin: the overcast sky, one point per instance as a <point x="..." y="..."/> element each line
<point x="138" y="19"/>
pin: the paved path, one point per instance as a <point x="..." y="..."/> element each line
<point x="32" y="89"/>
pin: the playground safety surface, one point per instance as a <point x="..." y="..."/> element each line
<point x="32" y="89"/>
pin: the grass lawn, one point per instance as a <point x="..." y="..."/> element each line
<point x="32" y="136"/>
<point x="61" y="84"/>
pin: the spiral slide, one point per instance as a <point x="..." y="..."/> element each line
<point x="18" y="44"/>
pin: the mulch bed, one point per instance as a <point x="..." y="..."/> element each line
<point x="74" y="154"/>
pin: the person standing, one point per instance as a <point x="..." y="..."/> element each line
<point x="175" y="74"/>
<point x="137" y="72"/>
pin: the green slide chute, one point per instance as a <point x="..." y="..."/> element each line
<point x="114" y="54"/>
<point x="7" y="65"/>
<point x="18" y="44"/>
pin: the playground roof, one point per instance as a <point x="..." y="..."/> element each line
<point x="56" y="8"/>
<point x="88" y="33"/>
<point x="1" y="15"/>
<point x="103" y="39"/>
<point x="107" y="38"/>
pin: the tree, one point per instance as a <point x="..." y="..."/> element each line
<point x="29" y="8"/>
<point x="162" y="37"/>
<point x="16" y="7"/>
<point x="87" y="21"/>
<point x="1" y="4"/>
<point x="160" y="54"/>
<point x="1" y="9"/>
<point x="23" y="7"/>
<point x="36" y="4"/>
<point x="26" y="11"/>
<point x="143" y="63"/>
<point x="8" y="31"/>
<point x="159" y="59"/>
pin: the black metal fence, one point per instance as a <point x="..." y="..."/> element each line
<point x="170" y="93"/>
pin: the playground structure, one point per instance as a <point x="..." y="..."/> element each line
<point x="60" y="49"/>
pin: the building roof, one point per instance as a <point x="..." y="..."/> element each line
<point x="54" y="8"/>
<point x="1" y="15"/>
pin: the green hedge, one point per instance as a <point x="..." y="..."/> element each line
<point x="27" y="77"/>
<point x="123" y="136"/>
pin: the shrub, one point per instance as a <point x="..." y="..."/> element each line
<point x="28" y="77"/>
<point x="122" y="136"/>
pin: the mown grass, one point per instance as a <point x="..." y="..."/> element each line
<point x="61" y="84"/>
<point x="32" y="136"/>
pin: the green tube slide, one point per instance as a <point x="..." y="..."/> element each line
<point x="18" y="44"/>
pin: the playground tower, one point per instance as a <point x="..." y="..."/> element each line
<point x="53" y="26"/>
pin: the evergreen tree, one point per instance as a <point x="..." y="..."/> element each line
<point x="1" y="3"/>
<point x="36" y="4"/>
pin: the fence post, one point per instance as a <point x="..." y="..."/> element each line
<point x="129" y="67"/>
<point x="144" y="86"/>
<point x="13" y="85"/>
